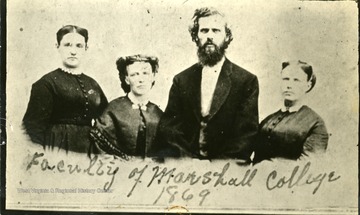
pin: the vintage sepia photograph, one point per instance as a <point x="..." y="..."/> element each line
<point x="186" y="106"/>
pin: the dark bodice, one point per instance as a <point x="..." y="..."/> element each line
<point x="61" y="108"/>
<point x="116" y="130"/>
<point x="291" y="135"/>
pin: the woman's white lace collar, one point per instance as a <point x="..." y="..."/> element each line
<point x="71" y="71"/>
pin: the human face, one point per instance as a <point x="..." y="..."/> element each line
<point x="294" y="84"/>
<point x="72" y="48"/>
<point x="140" y="78"/>
<point x="211" y="32"/>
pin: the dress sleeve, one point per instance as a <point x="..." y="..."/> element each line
<point x="103" y="102"/>
<point x="317" y="140"/>
<point x="261" y="146"/>
<point x="104" y="135"/>
<point x="38" y="114"/>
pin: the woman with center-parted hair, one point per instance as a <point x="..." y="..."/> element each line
<point x="295" y="131"/>
<point x="129" y="123"/>
<point x="65" y="101"/>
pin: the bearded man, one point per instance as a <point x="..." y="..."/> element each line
<point x="212" y="111"/>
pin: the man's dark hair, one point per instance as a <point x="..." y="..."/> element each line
<point x="205" y="12"/>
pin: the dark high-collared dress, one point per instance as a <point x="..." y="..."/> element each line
<point x="291" y="135"/>
<point x="126" y="129"/>
<point x="60" y="110"/>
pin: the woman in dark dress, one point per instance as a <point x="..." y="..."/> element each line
<point x="295" y="130"/>
<point x="128" y="125"/>
<point x="64" y="102"/>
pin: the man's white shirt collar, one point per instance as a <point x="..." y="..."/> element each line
<point x="210" y="76"/>
<point x="217" y="67"/>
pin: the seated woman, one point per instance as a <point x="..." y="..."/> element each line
<point x="128" y="125"/>
<point x="64" y="102"/>
<point x="295" y="130"/>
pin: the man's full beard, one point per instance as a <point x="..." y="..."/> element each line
<point x="209" y="57"/>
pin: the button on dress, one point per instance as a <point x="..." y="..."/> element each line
<point x="60" y="111"/>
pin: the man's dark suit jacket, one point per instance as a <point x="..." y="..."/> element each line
<point x="230" y="125"/>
